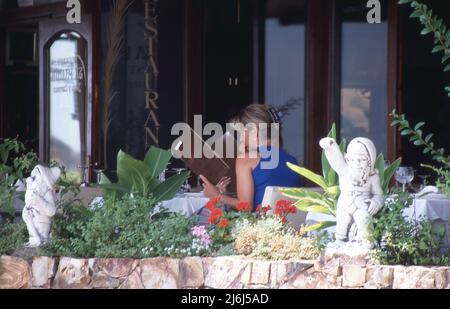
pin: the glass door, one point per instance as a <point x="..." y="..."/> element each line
<point x="363" y="73"/>
<point x="65" y="89"/>
<point x="284" y="69"/>
<point x="67" y="83"/>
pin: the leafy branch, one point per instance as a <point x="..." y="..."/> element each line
<point x="435" y="25"/>
<point x="417" y="137"/>
<point x="443" y="184"/>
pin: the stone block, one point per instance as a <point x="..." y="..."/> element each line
<point x="160" y="273"/>
<point x="354" y="276"/>
<point x="191" y="273"/>
<point x="15" y="273"/>
<point x="44" y="270"/>
<point x="72" y="274"/>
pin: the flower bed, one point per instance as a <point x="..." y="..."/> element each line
<point x="332" y="270"/>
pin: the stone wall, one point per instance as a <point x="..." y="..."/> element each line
<point x="329" y="271"/>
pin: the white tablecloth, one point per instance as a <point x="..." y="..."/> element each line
<point x="433" y="207"/>
<point x="187" y="203"/>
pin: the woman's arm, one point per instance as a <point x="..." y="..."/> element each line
<point x="333" y="154"/>
<point x="245" y="189"/>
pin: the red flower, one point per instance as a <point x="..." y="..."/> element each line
<point x="258" y="209"/>
<point x="224" y="223"/>
<point x="216" y="214"/>
<point x="243" y="207"/>
<point x="265" y="210"/>
<point x="284" y="208"/>
<point x="212" y="203"/>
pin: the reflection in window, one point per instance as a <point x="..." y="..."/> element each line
<point x="285" y="69"/>
<point x="364" y="77"/>
<point x="67" y="96"/>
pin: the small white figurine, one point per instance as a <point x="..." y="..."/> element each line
<point x="40" y="200"/>
<point x="361" y="193"/>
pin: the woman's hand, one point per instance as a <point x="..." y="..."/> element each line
<point x="210" y="190"/>
<point x="223" y="184"/>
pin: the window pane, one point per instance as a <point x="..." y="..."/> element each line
<point x="67" y="96"/>
<point x="364" y="77"/>
<point x="285" y="69"/>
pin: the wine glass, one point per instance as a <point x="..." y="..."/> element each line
<point x="424" y="182"/>
<point x="185" y="187"/>
<point x="404" y="175"/>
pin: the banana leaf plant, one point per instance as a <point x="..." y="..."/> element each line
<point x="141" y="177"/>
<point x="325" y="203"/>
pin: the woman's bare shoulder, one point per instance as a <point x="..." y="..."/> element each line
<point x="250" y="160"/>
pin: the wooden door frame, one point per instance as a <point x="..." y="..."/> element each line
<point x="394" y="78"/>
<point x="47" y="31"/>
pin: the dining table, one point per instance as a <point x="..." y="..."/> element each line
<point x="186" y="203"/>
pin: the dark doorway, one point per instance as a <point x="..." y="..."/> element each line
<point x="22" y="86"/>
<point x="423" y="86"/>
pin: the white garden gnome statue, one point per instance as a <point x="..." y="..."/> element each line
<point x="40" y="200"/>
<point x="361" y="193"/>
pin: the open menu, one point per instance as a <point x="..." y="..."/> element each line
<point x="214" y="167"/>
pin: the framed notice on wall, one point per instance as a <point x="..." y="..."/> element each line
<point x="21" y="47"/>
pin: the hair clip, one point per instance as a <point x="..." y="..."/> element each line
<point x="274" y="115"/>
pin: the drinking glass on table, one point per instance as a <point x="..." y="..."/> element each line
<point x="185" y="187"/>
<point x="404" y="175"/>
<point x="424" y="182"/>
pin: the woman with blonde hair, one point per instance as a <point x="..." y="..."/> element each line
<point x="262" y="162"/>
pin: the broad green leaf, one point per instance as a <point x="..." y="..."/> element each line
<point x="115" y="187"/>
<point x="425" y="31"/>
<point x="306" y="198"/>
<point x="343" y="145"/>
<point x="437" y="49"/>
<point x="428" y="138"/>
<point x="156" y="160"/>
<point x="419" y="125"/>
<point x="333" y="191"/>
<point x="320" y="226"/>
<point x="389" y="172"/>
<point x="333" y="132"/>
<point x="167" y="189"/>
<point x="332" y="178"/>
<point x="447" y="67"/>
<point x="8" y="206"/>
<point x="325" y="167"/>
<point x="132" y="173"/>
<point x="325" y="164"/>
<point x="415" y="14"/>
<point x="298" y="193"/>
<point x="152" y="183"/>
<point x="317" y="179"/>
<point x="104" y="179"/>
<point x="318" y="209"/>
<point x="379" y="165"/>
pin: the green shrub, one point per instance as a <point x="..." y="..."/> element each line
<point x="121" y="228"/>
<point x="141" y="177"/>
<point x="399" y="241"/>
<point x="269" y="238"/>
<point x="15" y="163"/>
<point x="12" y="237"/>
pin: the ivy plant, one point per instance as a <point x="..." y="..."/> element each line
<point x="435" y="25"/>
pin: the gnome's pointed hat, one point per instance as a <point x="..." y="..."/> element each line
<point x="50" y="175"/>
<point x="369" y="146"/>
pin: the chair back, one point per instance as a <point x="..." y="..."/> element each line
<point x="272" y="195"/>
